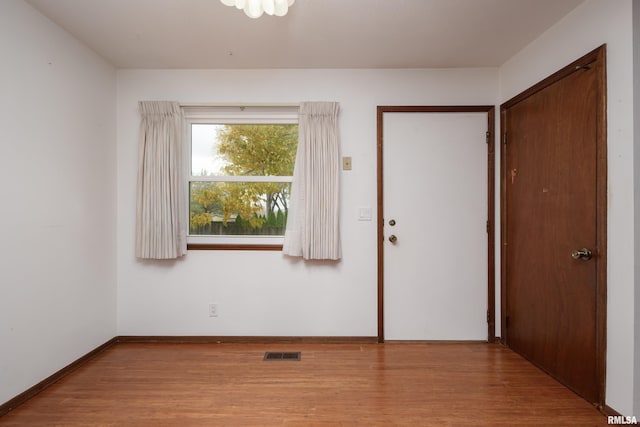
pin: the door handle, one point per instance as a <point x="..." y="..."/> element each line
<point x="583" y="254"/>
<point x="393" y="238"/>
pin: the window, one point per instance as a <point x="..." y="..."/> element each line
<point x="240" y="172"/>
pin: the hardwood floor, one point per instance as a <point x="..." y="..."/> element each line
<point x="412" y="384"/>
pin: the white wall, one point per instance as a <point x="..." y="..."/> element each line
<point x="57" y="180"/>
<point x="264" y="293"/>
<point x="593" y="23"/>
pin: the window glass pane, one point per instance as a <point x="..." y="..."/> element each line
<point x="205" y="159"/>
<point x="238" y="208"/>
<point x="243" y="149"/>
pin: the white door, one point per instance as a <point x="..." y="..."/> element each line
<point x="435" y="194"/>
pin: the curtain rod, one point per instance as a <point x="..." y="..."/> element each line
<point x="239" y="105"/>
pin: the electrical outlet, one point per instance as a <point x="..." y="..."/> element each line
<point x="213" y="310"/>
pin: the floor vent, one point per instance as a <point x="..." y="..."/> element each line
<point x="274" y="355"/>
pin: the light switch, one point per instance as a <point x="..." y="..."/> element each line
<point x="346" y="163"/>
<point x="364" y="214"/>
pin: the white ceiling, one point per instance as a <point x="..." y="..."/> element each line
<point x="315" y="33"/>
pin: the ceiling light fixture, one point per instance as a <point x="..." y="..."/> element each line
<point x="255" y="8"/>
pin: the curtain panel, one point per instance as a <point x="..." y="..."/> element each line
<point x="313" y="230"/>
<point x="160" y="213"/>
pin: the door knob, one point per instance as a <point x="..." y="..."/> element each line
<point x="393" y="238"/>
<point x="392" y="222"/>
<point x="583" y="254"/>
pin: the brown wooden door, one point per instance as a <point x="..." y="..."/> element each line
<point x="551" y="187"/>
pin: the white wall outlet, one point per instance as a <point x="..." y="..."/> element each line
<point x="213" y="310"/>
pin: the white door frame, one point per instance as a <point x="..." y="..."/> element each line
<point x="490" y="110"/>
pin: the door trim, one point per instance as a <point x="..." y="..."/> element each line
<point x="597" y="59"/>
<point x="490" y="110"/>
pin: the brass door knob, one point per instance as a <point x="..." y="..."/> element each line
<point x="393" y="238"/>
<point x="583" y="254"/>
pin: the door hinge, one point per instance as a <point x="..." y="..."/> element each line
<point x="504" y="138"/>
<point x="488" y="317"/>
<point x="488" y="135"/>
<point x="506" y="321"/>
<point x="488" y="226"/>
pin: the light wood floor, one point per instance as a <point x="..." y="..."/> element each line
<point x="334" y="384"/>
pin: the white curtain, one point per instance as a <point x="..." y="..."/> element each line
<point x="313" y="230"/>
<point x="160" y="211"/>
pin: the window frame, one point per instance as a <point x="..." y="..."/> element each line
<point x="222" y="115"/>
